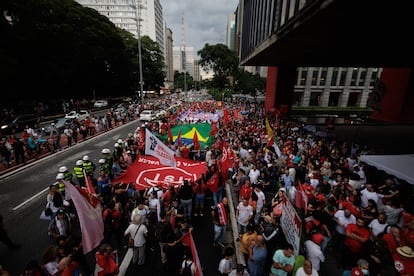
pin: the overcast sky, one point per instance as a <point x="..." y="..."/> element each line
<point x="205" y="21"/>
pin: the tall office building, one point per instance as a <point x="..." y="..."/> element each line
<point x="169" y="57"/>
<point x="188" y="65"/>
<point x="231" y="32"/>
<point x="123" y="13"/>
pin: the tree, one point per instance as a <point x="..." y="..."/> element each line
<point x="60" y="49"/>
<point x="179" y="80"/>
<point x="248" y="83"/>
<point x="222" y="61"/>
<point x="152" y="64"/>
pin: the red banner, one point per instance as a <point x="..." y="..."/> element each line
<point x="147" y="171"/>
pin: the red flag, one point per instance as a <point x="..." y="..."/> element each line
<point x="88" y="183"/>
<point x="89" y="212"/>
<point x="226" y="162"/>
<point x="195" y="141"/>
<point x="226" y="116"/>
<point x="187" y="239"/>
<point x="213" y="129"/>
<point x="179" y="142"/>
<point x="170" y="136"/>
<point x="212" y="183"/>
<point x="301" y="199"/>
<point x="141" y="138"/>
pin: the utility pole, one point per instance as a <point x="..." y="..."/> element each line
<point x="141" y="78"/>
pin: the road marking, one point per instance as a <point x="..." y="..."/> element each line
<point x="30" y="199"/>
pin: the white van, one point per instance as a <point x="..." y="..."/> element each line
<point x="147" y="115"/>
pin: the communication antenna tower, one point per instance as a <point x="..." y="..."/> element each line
<point x="182" y="49"/>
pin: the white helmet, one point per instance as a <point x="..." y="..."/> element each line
<point x="63" y="169"/>
<point x="116" y="145"/>
<point x="106" y="151"/>
<point x="102" y="161"/>
<point x="85" y="158"/>
<point x="79" y="163"/>
<point x="119" y="141"/>
<point x="60" y="176"/>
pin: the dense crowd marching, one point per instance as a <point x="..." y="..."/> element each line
<point x="351" y="210"/>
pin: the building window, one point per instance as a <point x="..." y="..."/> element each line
<point x="314" y="77"/>
<point x="354" y="76"/>
<point x="334" y="98"/>
<point x="342" y="78"/>
<point x="334" y="78"/>
<point x="353" y="99"/>
<point x="303" y="74"/>
<point x="322" y="80"/>
<point x="362" y="76"/>
<point x="315" y="99"/>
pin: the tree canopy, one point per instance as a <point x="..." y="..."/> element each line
<point x="58" y="48"/>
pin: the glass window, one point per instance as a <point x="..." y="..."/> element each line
<point x="315" y="77"/>
<point x="342" y="79"/>
<point x="334" y="76"/>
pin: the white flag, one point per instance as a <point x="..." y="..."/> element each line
<point x="156" y="148"/>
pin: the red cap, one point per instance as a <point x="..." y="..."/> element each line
<point x="317" y="238"/>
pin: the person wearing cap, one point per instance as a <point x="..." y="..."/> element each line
<point x="106" y="154"/>
<point x="404" y="260"/>
<point x="88" y="166"/>
<point x="78" y="170"/>
<point x="59" y="182"/>
<point x="68" y="175"/>
<point x="313" y="250"/>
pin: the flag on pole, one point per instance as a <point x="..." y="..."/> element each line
<point x="212" y="183"/>
<point x="156" y="148"/>
<point x="88" y="183"/>
<point x="170" y="136"/>
<point x="187" y="240"/>
<point x="301" y="199"/>
<point x="89" y="210"/>
<point x="179" y="142"/>
<point x="226" y="162"/>
<point x="196" y="143"/>
<point x="268" y="129"/>
<point x="226" y="116"/>
<point x="213" y="129"/>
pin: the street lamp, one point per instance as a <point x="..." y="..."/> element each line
<point x="141" y="79"/>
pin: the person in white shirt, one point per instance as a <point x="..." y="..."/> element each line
<point x="378" y="226"/>
<point x="306" y="269"/>
<point x="342" y="219"/>
<point x="314" y="252"/>
<point x="261" y="201"/>
<point x="254" y="174"/>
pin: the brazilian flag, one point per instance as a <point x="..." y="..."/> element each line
<point x="187" y="133"/>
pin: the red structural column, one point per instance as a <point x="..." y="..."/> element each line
<point x="396" y="96"/>
<point x="279" y="88"/>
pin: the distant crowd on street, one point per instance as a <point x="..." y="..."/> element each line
<point x="361" y="216"/>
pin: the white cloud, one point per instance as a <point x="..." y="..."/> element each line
<point x="205" y="21"/>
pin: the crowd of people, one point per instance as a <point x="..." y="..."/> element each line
<point x="362" y="216"/>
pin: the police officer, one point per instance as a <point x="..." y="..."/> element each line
<point x="68" y="174"/>
<point x="88" y="166"/>
<point x="108" y="161"/>
<point x="60" y="184"/>
<point x="78" y="170"/>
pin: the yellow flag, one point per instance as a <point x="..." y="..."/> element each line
<point x="268" y="129"/>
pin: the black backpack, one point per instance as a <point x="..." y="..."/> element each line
<point x="187" y="269"/>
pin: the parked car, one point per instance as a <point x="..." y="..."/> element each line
<point x="100" y="103"/>
<point x="18" y="123"/>
<point x="147" y="115"/>
<point x="58" y="124"/>
<point x="81" y="115"/>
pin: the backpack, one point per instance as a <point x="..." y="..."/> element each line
<point x="187" y="269"/>
<point x="109" y="222"/>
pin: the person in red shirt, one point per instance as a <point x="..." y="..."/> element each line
<point x="246" y="190"/>
<point x="404" y="260"/>
<point x="200" y="192"/>
<point x="393" y="238"/>
<point x="357" y="235"/>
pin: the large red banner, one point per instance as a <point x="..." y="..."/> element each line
<point x="147" y="171"/>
